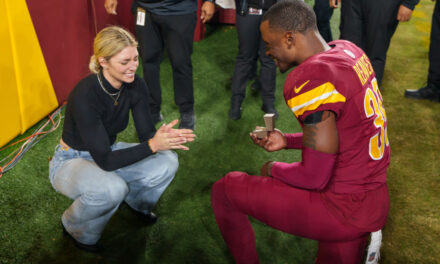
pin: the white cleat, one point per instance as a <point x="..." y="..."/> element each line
<point x="373" y="254"/>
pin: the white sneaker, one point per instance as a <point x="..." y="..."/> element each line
<point x="373" y="254"/>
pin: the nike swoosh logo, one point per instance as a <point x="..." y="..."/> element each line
<point x="299" y="88"/>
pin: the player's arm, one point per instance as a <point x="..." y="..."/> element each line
<point x="320" y="145"/>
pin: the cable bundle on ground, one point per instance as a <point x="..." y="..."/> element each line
<point x="15" y="156"/>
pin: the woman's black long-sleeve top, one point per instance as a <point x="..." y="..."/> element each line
<point x="92" y="121"/>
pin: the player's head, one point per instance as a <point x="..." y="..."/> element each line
<point x="280" y="26"/>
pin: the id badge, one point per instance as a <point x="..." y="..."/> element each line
<point x="140" y="18"/>
<point x="255" y="11"/>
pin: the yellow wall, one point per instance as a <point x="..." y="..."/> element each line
<point x="26" y="92"/>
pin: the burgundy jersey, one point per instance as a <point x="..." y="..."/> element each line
<point x="342" y="80"/>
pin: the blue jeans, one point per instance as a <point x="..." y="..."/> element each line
<point x="97" y="194"/>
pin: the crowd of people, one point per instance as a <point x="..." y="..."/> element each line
<point x="337" y="194"/>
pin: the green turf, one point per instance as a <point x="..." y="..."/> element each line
<point x="186" y="232"/>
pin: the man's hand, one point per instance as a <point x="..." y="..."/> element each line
<point x="208" y="9"/>
<point x="265" y="169"/>
<point x="110" y="6"/>
<point x="404" y="14"/>
<point x="274" y="141"/>
<point x="334" y="3"/>
<point x="167" y="137"/>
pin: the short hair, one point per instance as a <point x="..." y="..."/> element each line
<point x="291" y="15"/>
<point x="109" y="42"/>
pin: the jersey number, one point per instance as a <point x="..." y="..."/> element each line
<point x="373" y="107"/>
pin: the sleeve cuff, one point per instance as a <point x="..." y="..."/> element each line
<point x="294" y="141"/>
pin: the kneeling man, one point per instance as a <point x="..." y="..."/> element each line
<point x="337" y="194"/>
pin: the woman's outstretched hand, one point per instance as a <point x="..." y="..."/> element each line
<point x="168" y="137"/>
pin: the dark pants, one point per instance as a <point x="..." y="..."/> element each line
<point x="434" y="48"/>
<point x="323" y="13"/>
<point x="250" y="47"/>
<point x="370" y="24"/>
<point x="175" y="33"/>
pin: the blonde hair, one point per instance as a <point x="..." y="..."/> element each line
<point x="109" y="42"/>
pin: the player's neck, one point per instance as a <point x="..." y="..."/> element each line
<point x="312" y="44"/>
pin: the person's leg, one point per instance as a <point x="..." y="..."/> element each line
<point x="323" y="13"/>
<point x="299" y="212"/>
<point x="147" y="179"/>
<point x="351" y="25"/>
<point x="432" y="89"/>
<point x="380" y="24"/>
<point x="179" y="35"/>
<point x="347" y="252"/>
<point x="267" y="80"/>
<point x="151" y="48"/>
<point x="96" y="194"/>
<point x="248" y="43"/>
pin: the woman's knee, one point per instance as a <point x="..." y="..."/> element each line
<point x="111" y="191"/>
<point x="117" y="190"/>
<point x="169" y="161"/>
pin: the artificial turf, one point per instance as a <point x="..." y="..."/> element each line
<point x="186" y="232"/>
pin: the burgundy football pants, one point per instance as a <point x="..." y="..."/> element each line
<point x="295" y="211"/>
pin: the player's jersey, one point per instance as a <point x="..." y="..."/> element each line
<point x="342" y="80"/>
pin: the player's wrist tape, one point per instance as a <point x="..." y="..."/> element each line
<point x="313" y="172"/>
<point x="294" y="140"/>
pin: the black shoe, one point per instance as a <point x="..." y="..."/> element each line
<point x="148" y="219"/>
<point x="429" y="92"/>
<point x="187" y="120"/>
<point x="156" y="117"/>
<point x="270" y="109"/>
<point x="235" y="111"/>
<point x="90" y="248"/>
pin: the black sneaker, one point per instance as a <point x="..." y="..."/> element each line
<point x="235" y="111"/>
<point x="156" y="117"/>
<point x="187" y="120"/>
<point x="429" y="92"/>
<point x="270" y="109"/>
<point x="148" y="219"/>
<point x="90" y="248"/>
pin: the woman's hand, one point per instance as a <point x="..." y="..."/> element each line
<point x="274" y="141"/>
<point x="169" y="138"/>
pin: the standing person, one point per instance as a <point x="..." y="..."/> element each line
<point x="170" y="25"/>
<point x="432" y="90"/>
<point x="338" y="193"/>
<point x="250" y="47"/>
<point x="89" y="166"/>
<point x="370" y="24"/>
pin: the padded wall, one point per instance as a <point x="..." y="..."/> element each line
<point x="26" y="93"/>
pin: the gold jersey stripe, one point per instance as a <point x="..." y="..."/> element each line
<point x="310" y="100"/>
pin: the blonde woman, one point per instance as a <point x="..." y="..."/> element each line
<point x="94" y="170"/>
